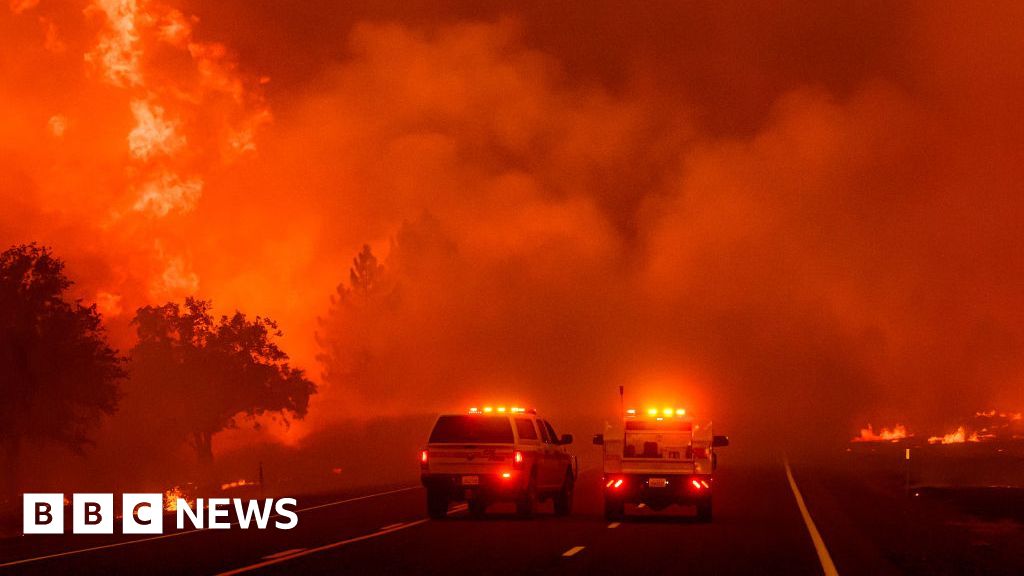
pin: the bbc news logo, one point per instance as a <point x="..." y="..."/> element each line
<point x="144" y="513"/>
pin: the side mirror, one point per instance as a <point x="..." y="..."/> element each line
<point x="566" y="439"/>
<point x="720" y="441"/>
<point x="599" y="439"/>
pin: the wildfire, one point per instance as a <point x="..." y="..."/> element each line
<point x="171" y="498"/>
<point x="958" y="437"/>
<point x="237" y="484"/>
<point x="897" y="433"/>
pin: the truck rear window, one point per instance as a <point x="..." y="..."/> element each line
<point x="475" y="429"/>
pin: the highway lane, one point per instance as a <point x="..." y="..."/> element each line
<point x="757" y="528"/>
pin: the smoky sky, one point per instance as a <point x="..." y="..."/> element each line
<point x="777" y="211"/>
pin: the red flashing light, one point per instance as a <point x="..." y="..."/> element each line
<point x="696" y="484"/>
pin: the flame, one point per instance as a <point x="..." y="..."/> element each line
<point x="897" y="433"/>
<point x="152" y="134"/>
<point x="108" y="304"/>
<point x="237" y="484"/>
<point x="168" y="193"/>
<point x="958" y="437"/>
<point x="58" y="124"/>
<point x="171" y="498"/>
<point x="118" y="53"/>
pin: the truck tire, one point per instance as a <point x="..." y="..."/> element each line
<point x="528" y="501"/>
<point x="563" y="500"/>
<point x="704" y="510"/>
<point x="614" y="508"/>
<point x="437" y="504"/>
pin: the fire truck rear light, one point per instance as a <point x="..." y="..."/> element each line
<point x="618" y="482"/>
<point x="518" y="457"/>
<point x="424" y="456"/>
<point x="704" y="484"/>
<point x="506" y="474"/>
<point x="609" y="483"/>
<point x="696" y="484"/>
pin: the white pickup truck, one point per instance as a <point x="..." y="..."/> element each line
<point x="496" y="454"/>
<point x="659" y="458"/>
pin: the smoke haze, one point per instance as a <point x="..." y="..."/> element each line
<point x="805" y="217"/>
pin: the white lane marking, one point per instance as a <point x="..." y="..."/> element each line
<point x="318" y="549"/>
<point x="614" y="525"/>
<point x="390" y="526"/>
<point x="283" y="553"/>
<point x="819" y="544"/>
<point x="187" y="532"/>
<point x="458" y="508"/>
<point x="572" y="551"/>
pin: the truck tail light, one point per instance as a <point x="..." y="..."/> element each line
<point x="424" y="458"/>
<point x="614" y="483"/>
<point x="517" y="458"/>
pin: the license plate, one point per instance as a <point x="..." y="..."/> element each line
<point x="470" y="480"/>
<point x="657" y="482"/>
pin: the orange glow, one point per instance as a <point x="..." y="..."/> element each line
<point x="897" y="433"/>
<point x="959" y="436"/>
<point x="171" y="497"/>
<point x="236" y="484"/>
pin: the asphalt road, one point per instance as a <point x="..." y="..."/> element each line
<point x="758" y="528"/>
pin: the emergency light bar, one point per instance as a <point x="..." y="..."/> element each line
<point x="501" y="410"/>
<point x="654" y="412"/>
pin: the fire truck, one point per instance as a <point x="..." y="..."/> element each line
<point x="497" y="454"/>
<point x="657" y="458"/>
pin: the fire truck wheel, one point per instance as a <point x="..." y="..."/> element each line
<point x="704" y="510"/>
<point x="614" y="509"/>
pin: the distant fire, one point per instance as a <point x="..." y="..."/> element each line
<point x="1002" y="415"/>
<point x="897" y="433"/>
<point x="958" y="437"/>
<point x="171" y="498"/>
<point x="236" y="484"/>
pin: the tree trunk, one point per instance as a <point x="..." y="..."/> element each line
<point x="203" y="442"/>
<point x="11" y="484"/>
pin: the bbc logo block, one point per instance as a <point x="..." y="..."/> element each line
<point x="43" y="514"/>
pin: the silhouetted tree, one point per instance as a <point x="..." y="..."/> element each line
<point x="58" y="375"/>
<point x="205" y="374"/>
<point x="367" y="274"/>
<point x="368" y="308"/>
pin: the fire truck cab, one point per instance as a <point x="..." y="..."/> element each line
<point x="497" y="454"/>
<point x="657" y="458"/>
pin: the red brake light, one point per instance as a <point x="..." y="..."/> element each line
<point x="424" y="457"/>
<point x="517" y="458"/>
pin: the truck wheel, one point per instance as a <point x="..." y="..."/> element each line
<point x="563" y="500"/>
<point x="477" y="507"/>
<point x="437" y="504"/>
<point x="704" y="510"/>
<point x="528" y="501"/>
<point x="614" y="508"/>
